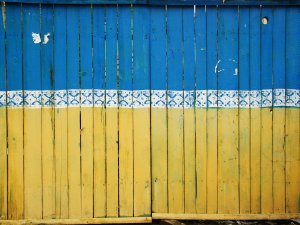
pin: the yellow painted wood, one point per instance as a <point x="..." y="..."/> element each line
<point x="292" y="160"/>
<point x="15" y="163"/>
<point x="212" y="161"/>
<point x="126" y="162"/>
<point x="159" y="160"/>
<point x="142" y="170"/>
<point x="230" y="216"/>
<point x="228" y="174"/>
<point x="74" y="163"/>
<point x="32" y="164"/>
<point x="201" y="160"/>
<point x="175" y="161"/>
<point x="48" y="165"/>
<point x="112" y="161"/>
<point x="61" y="163"/>
<point x="279" y="160"/>
<point x="87" y="160"/>
<point x="3" y="164"/>
<point x="99" y="163"/>
<point x="266" y="161"/>
<point x="255" y="160"/>
<point x="124" y="220"/>
<point x="244" y="160"/>
<point x="189" y="161"/>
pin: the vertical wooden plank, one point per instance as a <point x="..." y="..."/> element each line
<point x="255" y="116"/>
<point x="125" y="113"/>
<point x="141" y="111"/>
<point x="266" y="112"/>
<point x="3" y="120"/>
<point x="74" y="151"/>
<point x="14" y="111"/>
<point x="175" y="111"/>
<point x="111" y="112"/>
<point x="86" y="98"/>
<point x="227" y="73"/>
<point x="212" y="113"/>
<point x="32" y="114"/>
<point x="61" y="119"/>
<point x="48" y="166"/>
<point x="201" y="111"/>
<point x="158" y="110"/>
<point x="292" y="114"/>
<point x="244" y="110"/>
<point x="189" y="111"/>
<point x="279" y="113"/>
<point x="99" y="112"/>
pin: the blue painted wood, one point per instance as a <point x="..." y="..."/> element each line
<point x="73" y="47"/>
<point x="167" y="2"/>
<point x="266" y="49"/>
<point x="244" y="48"/>
<point x="175" y="56"/>
<point x="141" y="46"/>
<point x="279" y="48"/>
<point x="227" y="69"/>
<point x="14" y="47"/>
<point x="111" y="48"/>
<point x="60" y="46"/>
<point x="212" y="60"/>
<point x="2" y="59"/>
<point x="47" y="49"/>
<point x="188" y="49"/>
<point x="158" y="48"/>
<point x="201" y="48"/>
<point x="255" y="44"/>
<point x="86" y="56"/>
<point x="293" y="48"/>
<point x="125" y="48"/>
<point x="98" y="46"/>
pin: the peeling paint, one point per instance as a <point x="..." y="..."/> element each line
<point x="236" y="71"/>
<point x="3" y="9"/>
<point x="46" y="38"/>
<point x="216" y="67"/>
<point x="202" y="49"/>
<point x="36" y="38"/>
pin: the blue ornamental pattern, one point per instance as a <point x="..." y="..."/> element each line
<point x="153" y="98"/>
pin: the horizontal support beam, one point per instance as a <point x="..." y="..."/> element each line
<point x="166" y="2"/>
<point x="174" y="216"/>
<point x="121" y="220"/>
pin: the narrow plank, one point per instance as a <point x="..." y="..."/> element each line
<point x="3" y="122"/>
<point x="141" y="116"/>
<point x="212" y="113"/>
<point x="189" y="111"/>
<point x="111" y="113"/>
<point x="73" y="85"/>
<point x="87" y="115"/>
<point x="227" y="72"/>
<point x="47" y="85"/>
<point x="201" y="112"/>
<point x="99" y="113"/>
<point x="255" y="116"/>
<point x="14" y="114"/>
<point x="158" y="115"/>
<point x="292" y="114"/>
<point x="175" y="111"/>
<point x="125" y="113"/>
<point x="266" y="113"/>
<point x="32" y="116"/>
<point x="279" y="113"/>
<point x="61" y="114"/>
<point x="244" y="111"/>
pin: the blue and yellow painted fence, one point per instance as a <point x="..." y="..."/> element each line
<point x="124" y="113"/>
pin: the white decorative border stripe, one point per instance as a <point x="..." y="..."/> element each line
<point x="154" y="98"/>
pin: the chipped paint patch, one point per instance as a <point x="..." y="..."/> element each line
<point x="236" y="71"/>
<point x="3" y="9"/>
<point x="36" y="38"/>
<point x="216" y="67"/>
<point x="46" y="38"/>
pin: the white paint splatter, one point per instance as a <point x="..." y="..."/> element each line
<point x="216" y="67"/>
<point x="46" y="39"/>
<point x="236" y="71"/>
<point x="36" y="38"/>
